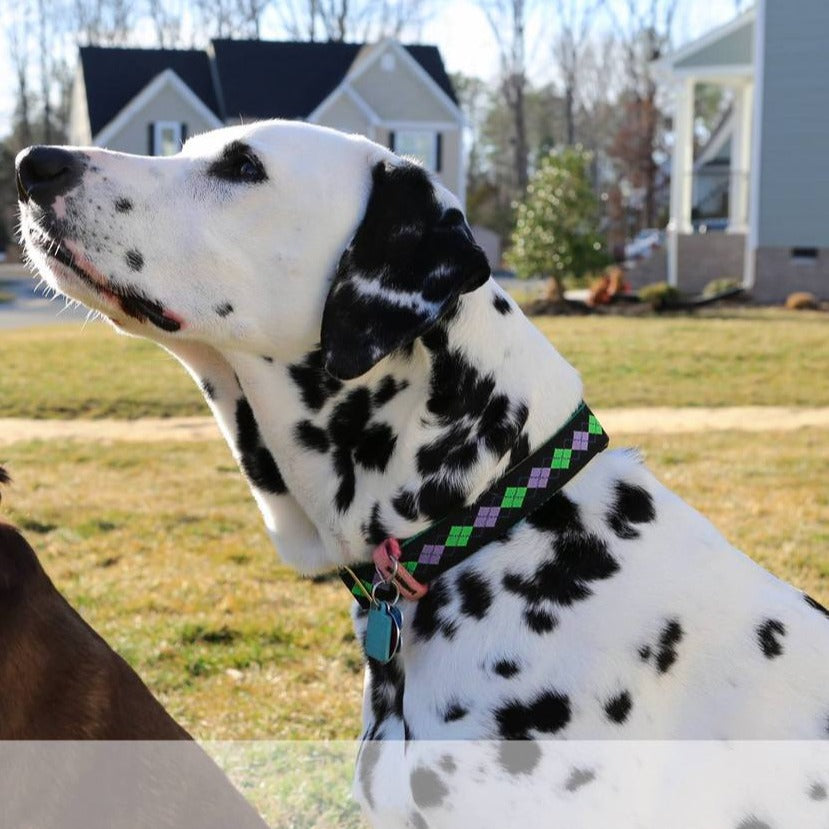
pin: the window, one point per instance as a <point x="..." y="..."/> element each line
<point x="168" y="137"/>
<point x="424" y="145"/>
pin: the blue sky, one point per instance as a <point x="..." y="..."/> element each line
<point x="461" y="31"/>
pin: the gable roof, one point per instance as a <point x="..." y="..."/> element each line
<point x="255" y="78"/>
<point x="113" y="76"/>
<point x="290" y="79"/>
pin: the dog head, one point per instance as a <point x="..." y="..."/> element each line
<point x="266" y="238"/>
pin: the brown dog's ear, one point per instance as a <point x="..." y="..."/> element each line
<point x="409" y="260"/>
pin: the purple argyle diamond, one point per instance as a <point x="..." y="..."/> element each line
<point x="430" y="554"/>
<point x="539" y="478"/>
<point x="486" y="517"/>
<point x="580" y="441"/>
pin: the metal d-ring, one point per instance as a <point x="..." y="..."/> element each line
<point x="393" y="584"/>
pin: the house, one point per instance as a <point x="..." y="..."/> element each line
<point x="148" y="101"/>
<point x="765" y="173"/>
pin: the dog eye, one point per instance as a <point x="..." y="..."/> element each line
<point x="238" y="163"/>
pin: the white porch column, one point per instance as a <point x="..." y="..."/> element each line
<point x="681" y="173"/>
<point x="740" y="159"/>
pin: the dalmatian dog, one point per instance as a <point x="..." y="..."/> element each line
<point x="604" y="660"/>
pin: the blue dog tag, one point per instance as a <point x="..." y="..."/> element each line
<point x="383" y="632"/>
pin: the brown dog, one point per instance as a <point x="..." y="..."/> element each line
<point x="59" y="680"/>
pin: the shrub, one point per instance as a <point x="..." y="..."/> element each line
<point x="659" y="294"/>
<point x="720" y="286"/>
<point x="556" y="230"/>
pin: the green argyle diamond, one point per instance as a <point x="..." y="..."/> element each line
<point x="514" y="497"/>
<point x="458" y="536"/>
<point x="593" y="426"/>
<point x="561" y="459"/>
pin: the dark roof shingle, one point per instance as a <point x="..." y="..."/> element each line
<point x="257" y="78"/>
<point x="114" y="76"/>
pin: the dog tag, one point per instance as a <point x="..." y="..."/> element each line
<point x="383" y="632"/>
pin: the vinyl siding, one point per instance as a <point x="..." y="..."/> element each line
<point x="398" y="94"/>
<point x="167" y="105"/>
<point x="343" y="114"/>
<point x="794" y="146"/>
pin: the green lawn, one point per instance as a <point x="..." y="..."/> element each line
<point x="742" y="357"/>
<point x="162" y="549"/>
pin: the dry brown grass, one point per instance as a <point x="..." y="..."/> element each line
<point x="161" y="548"/>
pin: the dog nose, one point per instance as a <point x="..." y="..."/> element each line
<point x="46" y="172"/>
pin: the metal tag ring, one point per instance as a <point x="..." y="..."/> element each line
<point x="393" y="584"/>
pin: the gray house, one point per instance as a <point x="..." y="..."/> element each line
<point x="149" y="100"/>
<point x="766" y="169"/>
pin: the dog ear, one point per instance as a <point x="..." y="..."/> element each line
<point x="408" y="262"/>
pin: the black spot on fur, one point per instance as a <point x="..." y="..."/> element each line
<point x="437" y="498"/>
<point x="448" y="764"/>
<point x="267" y="359"/>
<point x="633" y="505"/>
<point x="418" y="821"/>
<point x="502" y="304"/>
<point x="579" y="778"/>
<point x="223" y="309"/>
<point x="579" y="559"/>
<point x="506" y="668"/>
<point x="123" y="205"/>
<point x="558" y="515"/>
<point x="315" y="385"/>
<point x="753" y="822"/>
<point x="374" y="531"/>
<point x="428" y="789"/>
<point x="367" y="763"/>
<point x="475" y="593"/>
<point x="645" y="653"/>
<point x="375" y="447"/>
<point x="405" y="504"/>
<point x="816" y="605"/>
<point x="817" y="791"/>
<point x="209" y="389"/>
<point x="539" y="620"/>
<point x="767" y="635"/>
<point x="547" y="713"/>
<point x="618" y="708"/>
<point x="455" y="711"/>
<point x="257" y="461"/>
<point x="386" y="687"/>
<point x="518" y="756"/>
<point x="428" y="619"/>
<point x="387" y="389"/>
<point x="452" y="451"/>
<point x="135" y="260"/>
<point x="311" y="436"/>
<point x="666" y="653"/>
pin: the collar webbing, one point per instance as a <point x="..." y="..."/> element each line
<point x="521" y="491"/>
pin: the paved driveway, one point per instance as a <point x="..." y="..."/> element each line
<point x="30" y="306"/>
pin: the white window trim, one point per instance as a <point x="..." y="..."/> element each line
<point x="165" y="79"/>
<point x="429" y="163"/>
<point x="158" y="129"/>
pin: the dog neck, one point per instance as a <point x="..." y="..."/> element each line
<point x="336" y="467"/>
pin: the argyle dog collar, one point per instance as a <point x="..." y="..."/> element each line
<point x="521" y="491"/>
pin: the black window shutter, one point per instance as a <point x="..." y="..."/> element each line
<point x="183" y="133"/>
<point x="438" y="152"/>
<point x="151" y="138"/>
<point x="391" y="140"/>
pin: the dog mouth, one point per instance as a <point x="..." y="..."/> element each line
<point x="132" y="302"/>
